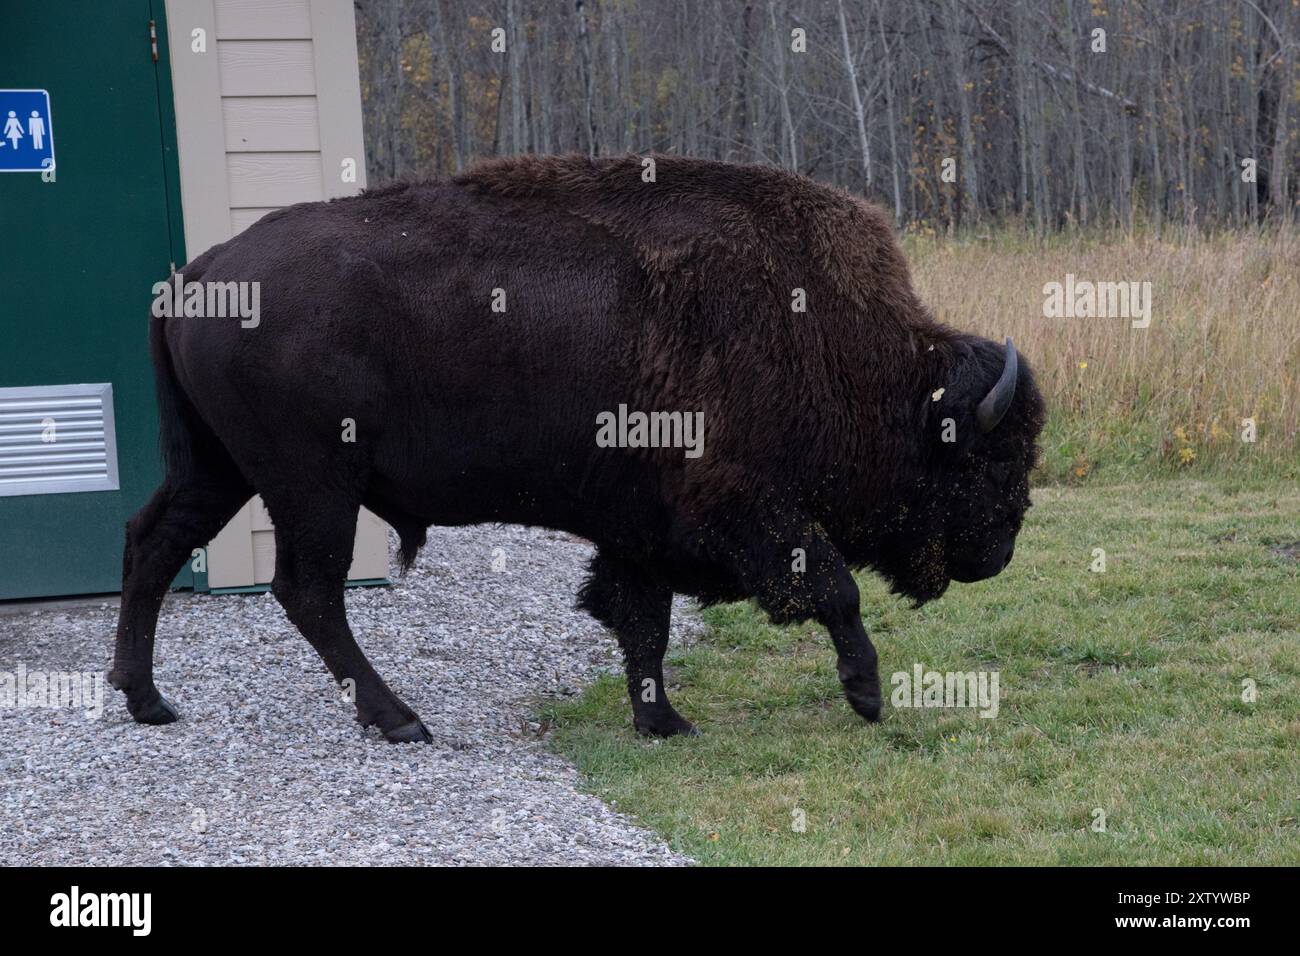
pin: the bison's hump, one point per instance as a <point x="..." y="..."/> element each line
<point x="758" y="225"/>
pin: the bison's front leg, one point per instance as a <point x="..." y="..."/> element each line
<point x="801" y="575"/>
<point x="637" y="608"/>
<point x="857" y="667"/>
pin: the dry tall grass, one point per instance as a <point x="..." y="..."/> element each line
<point x="1223" y="344"/>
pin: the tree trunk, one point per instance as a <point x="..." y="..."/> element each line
<point x="584" y="52"/>
<point x="859" y="111"/>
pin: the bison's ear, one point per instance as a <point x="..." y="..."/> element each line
<point x="976" y="392"/>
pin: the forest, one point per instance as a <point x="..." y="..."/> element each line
<point x="952" y="114"/>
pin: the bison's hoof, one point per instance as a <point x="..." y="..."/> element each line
<point x="671" y="725"/>
<point x="412" y="733"/>
<point x="159" y="711"/>
<point x="865" y="702"/>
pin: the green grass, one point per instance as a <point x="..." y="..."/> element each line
<point x="1120" y="691"/>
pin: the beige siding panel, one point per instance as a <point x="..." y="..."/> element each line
<point x="196" y="87"/>
<point x="266" y="67"/>
<point x="338" y="93"/>
<point x="263" y="541"/>
<point x="271" y="123"/>
<point x="263" y="557"/>
<point x="230" y="553"/>
<point x="244" y="553"/>
<point x="247" y="545"/>
<point x="370" y="553"/>
<point x="259" y="517"/>
<point x="241" y="219"/>
<point x="263" y="20"/>
<point x="273" y="179"/>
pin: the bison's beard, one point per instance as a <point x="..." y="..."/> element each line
<point x="920" y="574"/>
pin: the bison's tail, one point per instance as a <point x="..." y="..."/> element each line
<point x="175" y="416"/>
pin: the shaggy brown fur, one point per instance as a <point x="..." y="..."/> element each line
<point x="824" y="444"/>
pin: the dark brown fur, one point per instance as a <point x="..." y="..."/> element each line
<point x="822" y="433"/>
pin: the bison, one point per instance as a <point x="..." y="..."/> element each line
<point x="445" y="353"/>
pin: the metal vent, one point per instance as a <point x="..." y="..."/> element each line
<point x="57" y="438"/>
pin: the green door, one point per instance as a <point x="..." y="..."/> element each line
<point x="78" y="257"/>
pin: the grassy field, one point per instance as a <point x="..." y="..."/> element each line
<point x="1121" y="693"/>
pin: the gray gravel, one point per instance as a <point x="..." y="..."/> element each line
<point x="267" y="765"/>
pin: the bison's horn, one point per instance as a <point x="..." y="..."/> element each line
<point x="995" y="404"/>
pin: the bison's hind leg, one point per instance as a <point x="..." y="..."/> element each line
<point x="637" y="608"/>
<point x="313" y="548"/>
<point x="182" y="515"/>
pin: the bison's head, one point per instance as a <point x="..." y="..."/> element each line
<point x="962" y="515"/>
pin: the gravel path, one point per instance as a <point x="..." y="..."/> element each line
<point x="267" y="765"/>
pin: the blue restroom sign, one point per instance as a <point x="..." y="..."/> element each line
<point x="26" y="132"/>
